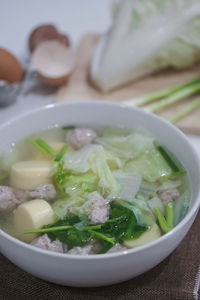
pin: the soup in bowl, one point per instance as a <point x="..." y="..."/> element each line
<point x="91" y="191"/>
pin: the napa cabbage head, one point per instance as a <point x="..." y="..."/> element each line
<point x="147" y="36"/>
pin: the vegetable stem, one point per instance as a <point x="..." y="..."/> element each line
<point x="61" y="153"/>
<point x="169" y="212"/>
<point x="167" y="158"/>
<point x="173" y="175"/>
<point x="68" y="127"/>
<point x="102" y="236"/>
<point x="42" y="146"/>
<point x="92" y="227"/>
<point x="46" y="148"/>
<point x="44" y="230"/>
<point x="161" y="219"/>
<point x="174" y="98"/>
<point x="160" y="94"/>
<point x="188" y="109"/>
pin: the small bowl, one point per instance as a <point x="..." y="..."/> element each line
<point x="104" y="269"/>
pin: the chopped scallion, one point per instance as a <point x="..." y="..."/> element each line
<point x="42" y="146"/>
<point x="173" y="175"/>
<point x="61" y="153"/>
<point x="167" y="157"/>
<point x="46" y="148"/>
<point x="161" y="220"/>
<point x="68" y="127"/>
<point x="169" y="212"/>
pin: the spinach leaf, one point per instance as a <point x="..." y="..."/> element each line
<point x="73" y="237"/>
<point x="77" y="231"/>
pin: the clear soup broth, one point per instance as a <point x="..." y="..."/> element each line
<point x="73" y="190"/>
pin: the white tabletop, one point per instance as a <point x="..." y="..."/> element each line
<point x="74" y="17"/>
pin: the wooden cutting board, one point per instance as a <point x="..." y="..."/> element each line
<point x="79" y="87"/>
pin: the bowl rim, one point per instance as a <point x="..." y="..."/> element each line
<point x="193" y="210"/>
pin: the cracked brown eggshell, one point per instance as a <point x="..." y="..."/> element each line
<point x="44" y="33"/>
<point x="54" y="62"/>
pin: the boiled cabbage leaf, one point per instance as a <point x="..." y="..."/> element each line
<point x="150" y="165"/>
<point x="125" y="146"/>
<point x="130" y="184"/>
<point x="94" y="158"/>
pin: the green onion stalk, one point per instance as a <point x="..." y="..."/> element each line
<point x="174" y="98"/>
<point x="185" y="111"/>
<point x="166" y="224"/>
<point x="140" y="101"/>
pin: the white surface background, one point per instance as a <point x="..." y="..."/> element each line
<point x="75" y="17"/>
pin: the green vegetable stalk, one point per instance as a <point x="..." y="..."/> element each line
<point x="166" y="224"/>
<point x="167" y="157"/>
<point x="61" y="153"/>
<point x="68" y="127"/>
<point x="42" y="146"/>
<point x="169" y="96"/>
<point x="185" y="111"/>
<point x="175" y="97"/>
<point x="161" y="93"/>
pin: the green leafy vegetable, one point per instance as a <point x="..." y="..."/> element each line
<point x="42" y="146"/>
<point x="93" y="158"/>
<point x="122" y="224"/>
<point x="167" y="223"/>
<point x="167" y="157"/>
<point x="102" y="236"/>
<point x="73" y="188"/>
<point x="141" y="210"/>
<point x="74" y="237"/>
<point x="60" y="176"/>
<point x="130" y="184"/>
<point x="78" y="185"/>
<point x="68" y="127"/>
<point x="50" y="229"/>
<point x="61" y="153"/>
<point x="151" y="165"/>
<point x="169" y="214"/>
<point x="46" y="148"/>
<point x="173" y="175"/>
<point x="125" y="146"/>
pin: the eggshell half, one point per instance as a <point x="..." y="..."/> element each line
<point x="45" y="33"/>
<point x="54" y="62"/>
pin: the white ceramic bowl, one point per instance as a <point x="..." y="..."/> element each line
<point x="98" y="270"/>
